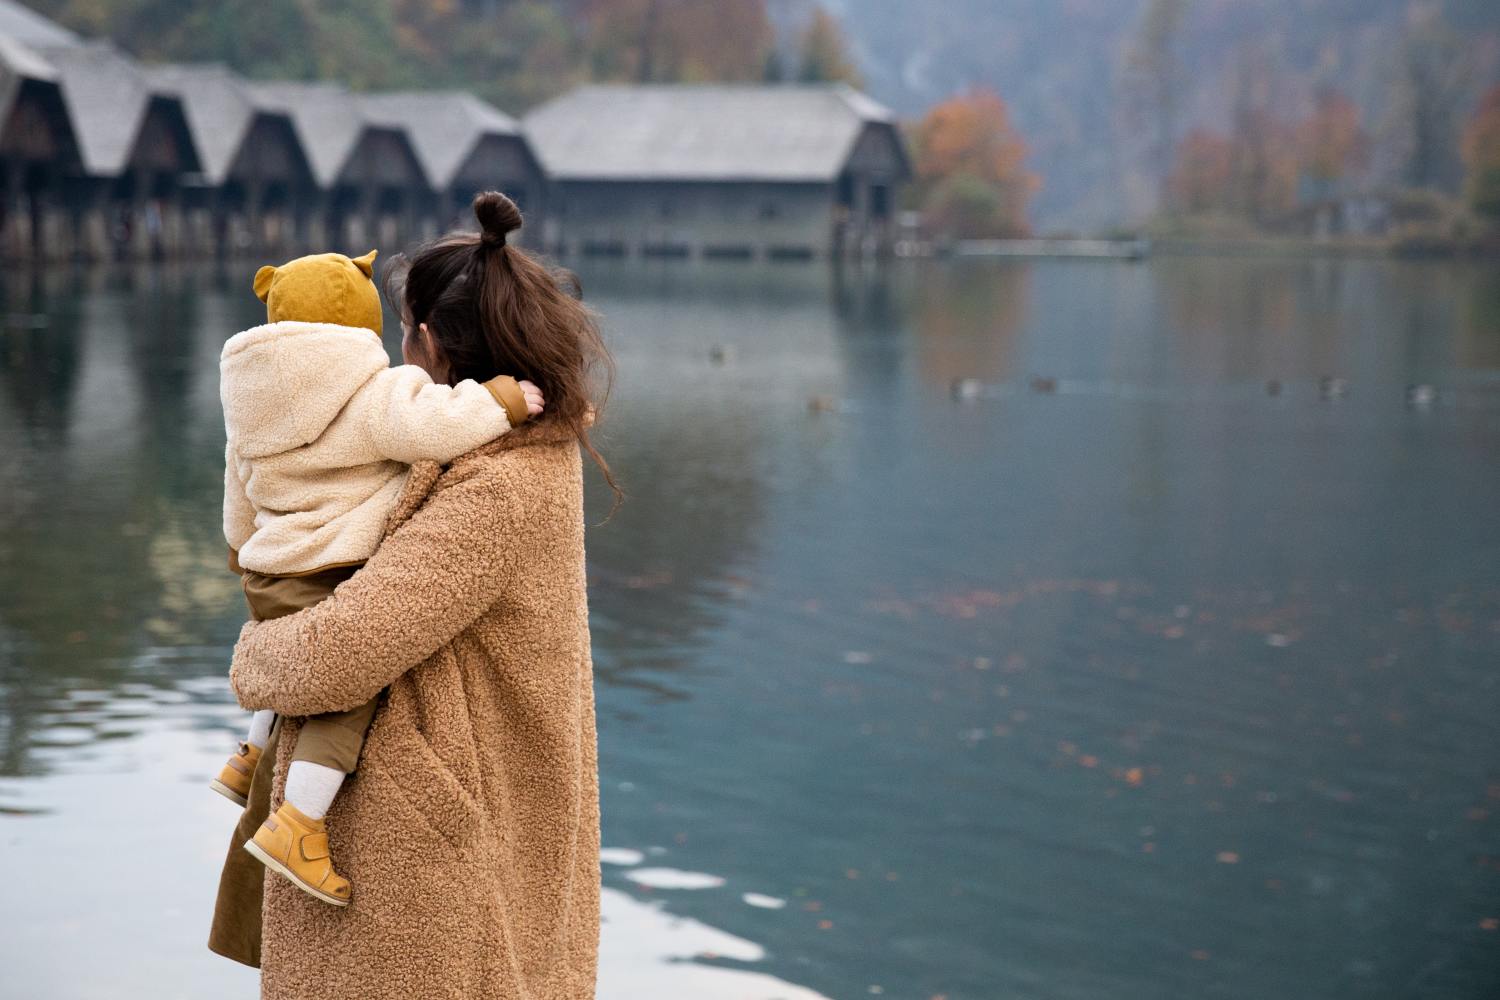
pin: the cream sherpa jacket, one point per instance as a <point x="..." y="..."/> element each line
<point x="322" y="432"/>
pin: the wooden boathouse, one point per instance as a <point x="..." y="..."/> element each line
<point x="465" y="145"/>
<point x="720" y="170"/>
<point x="102" y="157"/>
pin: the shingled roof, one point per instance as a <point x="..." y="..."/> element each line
<point x="712" y="132"/>
<point x="106" y="95"/>
<point x="327" y="117"/>
<point x="444" y="126"/>
<point x="26" y="26"/>
<point x="219" y="110"/>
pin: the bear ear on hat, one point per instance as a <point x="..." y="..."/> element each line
<point x="366" y="263"/>
<point x="263" y="279"/>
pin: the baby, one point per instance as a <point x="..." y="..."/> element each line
<point x="322" y="432"/>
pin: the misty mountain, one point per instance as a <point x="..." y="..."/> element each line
<point x="1061" y="66"/>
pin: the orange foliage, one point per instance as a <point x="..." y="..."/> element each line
<point x="971" y="165"/>
<point x="1253" y="173"/>
<point x="970" y="134"/>
<point x="1265" y="166"/>
<point x="1200" y="179"/>
<point x="824" y="52"/>
<point x="1330" y="143"/>
<point x="1481" y="151"/>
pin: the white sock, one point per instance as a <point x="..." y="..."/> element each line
<point x="260" y="728"/>
<point x="311" y="787"/>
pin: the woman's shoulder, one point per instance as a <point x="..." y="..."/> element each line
<point x="533" y="468"/>
<point x="530" y="460"/>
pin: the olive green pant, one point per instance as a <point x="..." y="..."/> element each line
<point x="335" y="738"/>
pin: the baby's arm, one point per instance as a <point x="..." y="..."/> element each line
<point x="408" y="417"/>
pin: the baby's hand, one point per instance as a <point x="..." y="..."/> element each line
<point x="534" y="401"/>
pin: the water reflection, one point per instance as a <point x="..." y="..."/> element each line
<point x="1154" y="678"/>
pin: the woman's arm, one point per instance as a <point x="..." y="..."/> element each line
<point x="426" y="583"/>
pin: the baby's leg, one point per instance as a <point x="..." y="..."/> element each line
<point x="311" y="787"/>
<point x="327" y="748"/>
<point x="234" y="777"/>
<point x="260" y="728"/>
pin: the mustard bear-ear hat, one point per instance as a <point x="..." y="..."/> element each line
<point x="322" y="288"/>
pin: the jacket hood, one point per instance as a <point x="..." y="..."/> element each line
<point x="282" y="384"/>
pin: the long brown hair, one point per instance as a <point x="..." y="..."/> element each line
<point x="494" y="309"/>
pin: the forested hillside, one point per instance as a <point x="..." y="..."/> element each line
<point x="1103" y="94"/>
<point x="1071" y="73"/>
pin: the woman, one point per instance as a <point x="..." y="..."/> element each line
<point x="471" y="828"/>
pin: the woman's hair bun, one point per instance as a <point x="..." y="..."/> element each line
<point x="497" y="216"/>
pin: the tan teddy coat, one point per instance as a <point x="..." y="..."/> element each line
<point x="471" y="830"/>
<point x="321" y="430"/>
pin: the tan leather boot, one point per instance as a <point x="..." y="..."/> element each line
<point x="233" y="781"/>
<point x="296" y="847"/>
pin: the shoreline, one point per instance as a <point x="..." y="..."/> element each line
<point x="1269" y="246"/>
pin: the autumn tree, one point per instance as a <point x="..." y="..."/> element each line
<point x="1201" y="173"/>
<point x="1263" y="169"/>
<point x="1330" y="142"/>
<point x="970" y="167"/>
<point x="1154" y="77"/>
<point x="1481" y="153"/>
<point x="823" y="54"/>
<point x="651" y="41"/>
<point x="1264" y="174"/>
<point x="1431" y="87"/>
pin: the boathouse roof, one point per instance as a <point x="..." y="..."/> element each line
<point x="107" y="96"/>
<point x="331" y="122"/>
<point x="219" y="110"/>
<point x="327" y="117"/>
<point x="21" y="23"/>
<point x="444" y="126"/>
<point x="720" y="132"/>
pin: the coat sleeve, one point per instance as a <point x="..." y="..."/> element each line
<point x="430" y="580"/>
<point x="408" y="417"/>
<point x="239" y="514"/>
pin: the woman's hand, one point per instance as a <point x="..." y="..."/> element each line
<point x="534" y="401"/>
<point x="426" y="583"/>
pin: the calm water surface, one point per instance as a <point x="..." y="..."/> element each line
<point x="1155" y="684"/>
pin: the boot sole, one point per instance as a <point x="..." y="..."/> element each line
<point x="286" y="873"/>
<point x="229" y="793"/>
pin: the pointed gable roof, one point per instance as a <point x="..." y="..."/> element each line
<point x="21" y="23"/>
<point x="106" y="95"/>
<point x="702" y="132"/>
<point x="444" y="127"/>
<point x="219" y="111"/>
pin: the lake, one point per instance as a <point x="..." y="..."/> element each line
<point x="984" y="629"/>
